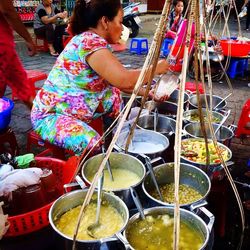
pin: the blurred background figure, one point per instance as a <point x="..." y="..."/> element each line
<point x="12" y="72"/>
<point x="50" y="24"/>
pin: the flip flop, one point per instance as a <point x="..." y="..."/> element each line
<point x="54" y="54"/>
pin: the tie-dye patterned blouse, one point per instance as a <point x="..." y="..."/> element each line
<point x="73" y="88"/>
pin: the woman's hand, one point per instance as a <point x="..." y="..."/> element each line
<point x="31" y="48"/>
<point x="162" y="67"/>
<point x="152" y="95"/>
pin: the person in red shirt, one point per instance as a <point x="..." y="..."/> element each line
<point x="12" y="72"/>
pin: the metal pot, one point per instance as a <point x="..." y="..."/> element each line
<point x="126" y="97"/>
<point x="188" y="114"/>
<point x="189" y="175"/>
<point x="214" y="170"/>
<point x="193" y="101"/>
<point x="76" y="198"/>
<point x="164" y="108"/>
<point x="147" y="142"/>
<point x="174" y="97"/>
<point x="117" y="160"/>
<point x="186" y="216"/>
<point x="224" y="134"/>
<point x="164" y="124"/>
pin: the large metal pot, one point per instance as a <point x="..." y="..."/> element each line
<point x="164" y="108"/>
<point x="214" y="170"/>
<point x="147" y="142"/>
<point x="187" y="115"/>
<point x="189" y="175"/>
<point x="224" y="134"/>
<point x="186" y="216"/>
<point x="117" y="160"/>
<point x="164" y="124"/>
<point x="193" y="101"/>
<point x="76" y="198"/>
<point x="174" y="97"/>
<point x="126" y="97"/>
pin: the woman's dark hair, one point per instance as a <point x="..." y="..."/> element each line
<point x="177" y="1"/>
<point x="86" y="15"/>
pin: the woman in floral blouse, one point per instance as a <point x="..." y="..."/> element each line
<point x="86" y="79"/>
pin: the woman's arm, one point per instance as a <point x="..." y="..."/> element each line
<point x="104" y="63"/>
<point x="10" y="14"/>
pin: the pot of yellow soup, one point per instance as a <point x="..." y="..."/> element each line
<point x="156" y="231"/>
<point x="127" y="171"/>
<point x="63" y="216"/>
<point x="194" y="185"/>
<point x="194" y="153"/>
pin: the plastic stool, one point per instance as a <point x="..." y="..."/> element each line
<point x="191" y="87"/>
<point x="243" y="127"/>
<point x="8" y="142"/>
<point x="166" y="46"/>
<point x="237" y="66"/>
<point x="33" y="76"/>
<point x="139" y="46"/>
<point x="41" y="47"/>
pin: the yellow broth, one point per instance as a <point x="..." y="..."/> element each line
<point x="196" y="118"/>
<point x="198" y="146"/>
<point x="156" y="233"/>
<point x="110" y="220"/>
<point x="123" y="178"/>
<point x="187" y="194"/>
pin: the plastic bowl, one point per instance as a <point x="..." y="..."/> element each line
<point x="235" y="48"/>
<point x="5" y="115"/>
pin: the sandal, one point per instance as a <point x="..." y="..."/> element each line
<point x="54" y="53"/>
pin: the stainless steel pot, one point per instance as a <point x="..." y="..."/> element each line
<point x="164" y="108"/>
<point x="174" y="97"/>
<point x="147" y="142"/>
<point x="186" y="216"/>
<point x="164" y="124"/>
<point x="193" y="101"/>
<point x="224" y="134"/>
<point x="76" y="198"/>
<point x="117" y="160"/>
<point x="214" y="170"/>
<point x="188" y="114"/>
<point x="189" y="175"/>
<point x="126" y="97"/>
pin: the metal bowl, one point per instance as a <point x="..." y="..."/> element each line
<point x="189" y="175"/>
<point x="76" y="198"/>
<point x="193" y="101"/>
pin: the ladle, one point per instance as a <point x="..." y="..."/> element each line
<point x="108" y="165"/>
<point x="92" y="227"/>
<point x="137" y="202"/>
<point x="151" y="171"/>
<point x="222" y="121"/>
<point x="218" y="104"/>
<point x="156" y="118"/>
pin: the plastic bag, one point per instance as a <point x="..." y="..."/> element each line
<point x="243" y="12"/>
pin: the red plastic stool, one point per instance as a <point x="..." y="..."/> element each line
<point x="33" y="77"/>
<point x="191" y="87"/>
<point x="41" y="47"/>
<point x="8" y="142"/>
<point x="243" y="128"/>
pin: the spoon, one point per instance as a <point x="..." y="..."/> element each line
<point x="137" y="202"/>
<point x="156" y="117"/>
<point x="151" y="171"/>
<point x="218" y="104"/>
<point x="92" y="227"/>
<point x="222" y="121"/>
<point x="108" y="165"/>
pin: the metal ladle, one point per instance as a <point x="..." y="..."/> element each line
<point x="92" y="227"/>
<point x="137" y="202"/>
<point x="108" y="165"/>
<point x="218" y="104"/>
<point x="222" y="121"/>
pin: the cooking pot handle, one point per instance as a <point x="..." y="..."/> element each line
<point x="123" y="240"/>
<point x="232" y="127"/>
<point x="118" y="149"/>
<point x="155" y="160"/>
<point x="199" y="204"/>
<point x="210" y="216"/>
<point x="79" y="182"/>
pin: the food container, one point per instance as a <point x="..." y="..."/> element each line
<point x="174" y="97"/>
<point x="187" y="217"/>
<point x="193" y="101"/>
<point x="224" y="134"/>
<point x="76" y="198"/>
<point x="117" y="161"/>
<point x="214" y="170"/>
<point x="147" y="142"/>
<point x="189" y="175"/>
<point x="192" y="116"/>
<point x="235" y="48"/>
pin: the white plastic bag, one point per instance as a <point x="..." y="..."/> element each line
<point x="243" y="12"/>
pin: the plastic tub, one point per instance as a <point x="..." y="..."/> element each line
<point x="5" y="115"/>
<point x="235" y="48"/>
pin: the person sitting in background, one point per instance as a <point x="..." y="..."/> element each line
<point x="45" y="19"/>
<point x="175" y="18"/>
<point x="247" y="4"/>
<point x="86" y="79"/>
<point x="12" y="72"/>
